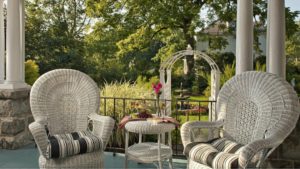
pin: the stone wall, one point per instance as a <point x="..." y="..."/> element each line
<point x="15" y="116"/>
<point x="287" y="155"/>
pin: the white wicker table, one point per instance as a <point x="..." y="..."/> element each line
<point x="149" y="152"/>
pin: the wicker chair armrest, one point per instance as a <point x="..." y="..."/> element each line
<point x="39" y="134"/>
<point x="251" y="149"/>
<point x="102" y="127"/>
<point x="186" y="129"/>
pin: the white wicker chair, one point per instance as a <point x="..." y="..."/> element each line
<point x="256" y="109"/>
<point x="66" y="101"/>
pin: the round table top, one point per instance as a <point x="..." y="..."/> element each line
<point x="146" y="127"/>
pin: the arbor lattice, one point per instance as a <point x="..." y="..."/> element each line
<point x="166" y="74"/>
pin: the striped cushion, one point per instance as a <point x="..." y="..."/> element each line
<point x="203" y="153"/>
<point x="225" y="160"/>
<point x="228" y="146"/>
<point x="218" y="153"/>
<point x="63" y="145"/>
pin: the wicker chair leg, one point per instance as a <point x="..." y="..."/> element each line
<point x="170" y="163"/>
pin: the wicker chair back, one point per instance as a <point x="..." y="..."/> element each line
<point x="256" y="105"/>
<point x="64" y="98"/>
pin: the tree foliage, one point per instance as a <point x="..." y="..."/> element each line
<point x="293" y="46"/>
<point x="54" y="33"/>
<point x="125" y="39"/>
<point x="169" y="24"/>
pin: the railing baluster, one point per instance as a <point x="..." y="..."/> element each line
<point x="188" y="111"/>
<point x="176" y="131"/>
<point x="199" y="110"/>
<point x="211" y="111"/>
<point x="215" y="109"/>
<point x="124" y="105"/>
<point x="165" y="108"/>
<point x="114" y="111"/>
<point x="115" y="128"/>
<point x="105" y="106"/>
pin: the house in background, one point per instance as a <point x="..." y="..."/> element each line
<point x="218" y="30"/>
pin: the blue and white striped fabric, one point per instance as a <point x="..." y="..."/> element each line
<point x="63" y="145"/>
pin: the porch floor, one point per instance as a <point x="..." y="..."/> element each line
<point x="27" y="157"/>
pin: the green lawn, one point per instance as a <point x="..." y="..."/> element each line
<point x="199" y="98"/>
<point x="203" y="117"/>
<point x="183" y="118"/>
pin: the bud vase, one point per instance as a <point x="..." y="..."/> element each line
<point x="158" y="113"/>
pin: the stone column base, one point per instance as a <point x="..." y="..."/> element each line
<point x="15" y="116"/>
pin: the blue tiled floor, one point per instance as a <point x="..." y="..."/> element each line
<point x="27" y="157"/>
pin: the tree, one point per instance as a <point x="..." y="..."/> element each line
<point x="171" y="23"/>
<point x="54" y="33"/>
<point x="125" y="38"/>
<point x="293" y="46"/>
<point x="293" y="53"/>
<point x="102" y="50"/>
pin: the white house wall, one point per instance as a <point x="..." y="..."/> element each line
<point x="203" y="45"/>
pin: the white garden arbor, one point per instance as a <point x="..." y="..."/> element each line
<point x="166" y="75"/>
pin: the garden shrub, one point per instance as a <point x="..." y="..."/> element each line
<point x="260" y="59"/>
<point x="143" y="82"/>
<point x="229" y="72"/>
<point x="31" y="71"/>
<point x="123" y="89"/>
<point x="293" y="75"/>
<point x="260" y="67"/>
<point x="199" y="85"/>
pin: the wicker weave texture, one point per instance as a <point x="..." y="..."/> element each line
<point x="147" y="152"/>
<point x="90" y="161"/>
<point x="256" y="109"/>
<point x="256" y="105"/>
<point x="144" y="127"/>
<point x="66" y="100"/>
<point x="65" y="97"/>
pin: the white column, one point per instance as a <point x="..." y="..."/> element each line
<point x="2" y="43"/>
<point x="22" y="34"/>
<point x="13" y="72"/>
<point x="244" y="36"/>
<point x="276" y="60"/>
<point x="14" y="44"/>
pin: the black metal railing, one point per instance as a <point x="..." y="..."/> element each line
<point x="181" y="110"/>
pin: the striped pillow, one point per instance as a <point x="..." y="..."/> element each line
<point x="227" y="146"/>
<point x="225" y="161"/>
<point x="203" y="153"/>
<point x="217" y="153"/>
<point x="63" y="145"/>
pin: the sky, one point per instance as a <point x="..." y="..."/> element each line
<point x="294" y="5"/>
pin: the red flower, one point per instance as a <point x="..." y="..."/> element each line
<point x="156" y="88"/>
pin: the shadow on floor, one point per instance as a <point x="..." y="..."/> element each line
<point x="27" y="157"/>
